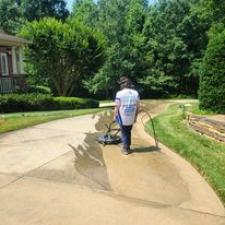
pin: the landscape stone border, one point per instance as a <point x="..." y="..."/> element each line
<point x="207" y="126"/>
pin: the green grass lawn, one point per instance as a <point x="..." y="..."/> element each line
<point x="206" y="155"/>
<point x="15" y="121"/>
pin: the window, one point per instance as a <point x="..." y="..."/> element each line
<point x="4" y="64"/>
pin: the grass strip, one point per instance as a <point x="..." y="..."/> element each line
<point x="15" y="121"/>
<point x="206" y="155"/>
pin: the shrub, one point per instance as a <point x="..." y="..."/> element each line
<point x="39" y="89"/>
<point x="40" y="102"/>
<point x="212" y="82"/>
<point x="75" y="103"/>
<point x="64" y="52"/>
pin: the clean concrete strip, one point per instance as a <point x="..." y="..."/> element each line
<point x="24" y="150"/>
<point x="34" y="202"/>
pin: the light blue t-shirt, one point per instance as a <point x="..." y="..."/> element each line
<point x="127" y="100"/>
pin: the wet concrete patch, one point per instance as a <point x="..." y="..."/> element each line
<point x="104" y="119"/>
<point x="144" y="149"/>
<point x="89" y="161"/>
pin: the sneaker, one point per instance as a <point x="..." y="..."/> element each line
<point x="130" y="150"/>
<point x="124" y="151"/>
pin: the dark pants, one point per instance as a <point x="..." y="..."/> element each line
<point x="126" y="136"/>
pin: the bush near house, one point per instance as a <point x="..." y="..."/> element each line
<point x="62" y="53"/>
<point x="39" y="89"/>
<point x="41" y="102"/>
<point x="75" y="103"/>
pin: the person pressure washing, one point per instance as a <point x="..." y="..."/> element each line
<point x="126" y="111"/>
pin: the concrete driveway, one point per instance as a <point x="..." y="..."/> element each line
<point x="56" y="174"/>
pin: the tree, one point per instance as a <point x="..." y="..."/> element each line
<point x="176" y="40"/>
<point x="166" y="51"/>
<point x="85" y="11"/>
<point x="64" y="52"/>
<point x="111" y="22"/>
<point x="37" y="9"/>
<point x="159" y="86"/>
<point x="136" y="16"/>
<point x="136" y="44"/>
<point x="122" y="23"/>
<point x="212" y="84"/>
<point x="214" y="9"/>
<point x="15" y="13"/>
<point x="10" y="16"/>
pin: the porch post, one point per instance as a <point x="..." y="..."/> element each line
<point x="21" y="60"/>
<point x="14" y="60"/>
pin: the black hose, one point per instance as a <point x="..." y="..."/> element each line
<point x="153" y="125"/>
<point x="107" y="138"/>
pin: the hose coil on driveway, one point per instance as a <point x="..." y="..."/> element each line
<point x="111" y="136"/>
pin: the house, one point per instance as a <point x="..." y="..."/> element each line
<point x="12" y="75"/>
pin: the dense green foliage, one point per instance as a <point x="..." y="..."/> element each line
<point x="63" y="52"/>
<point x="212" y="85"/>
<point x="122" y="24"/>
<point x="161" y="46"/>
<point x="212" y="88"/>
<point x="37" y="9"/>
<point x="38" y="89"/>
<point x="15" y="13"/>
<point x="204" y="153"/>
<point x="41" y="102"/>
<point x="158" y="46"/>
<point x="75" y="103"/>
<point x="11" y="18"/>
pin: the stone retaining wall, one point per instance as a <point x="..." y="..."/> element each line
<point x="210" y="127"/>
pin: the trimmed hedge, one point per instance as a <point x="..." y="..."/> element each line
<point x="39" y="90"/>
<point x="75" y="103"/>
<point x="41" y="102"/>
